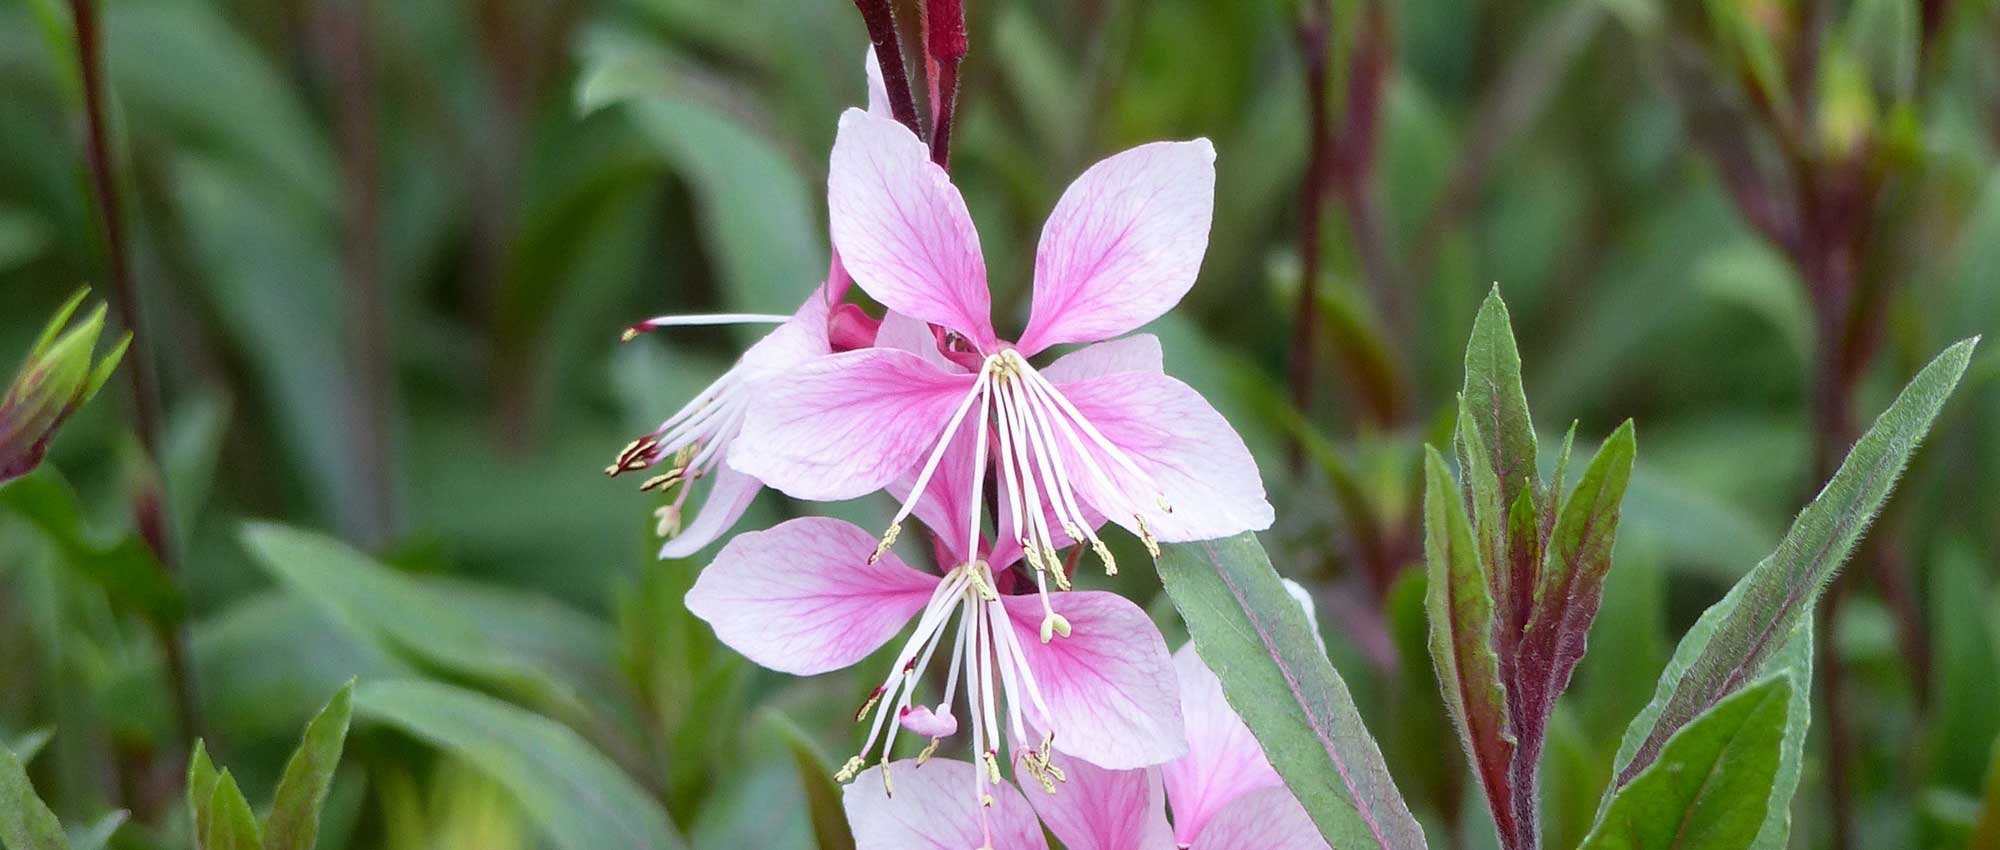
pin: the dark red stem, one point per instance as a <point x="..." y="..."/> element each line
<point x="149" y="509"/>
<point x="881" y="22"/>
<point x="944" y="46"/>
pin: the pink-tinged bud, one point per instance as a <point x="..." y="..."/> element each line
<point x="55" y="379"/>
<point x="922" y="720"/>
<point x="847" y="328"/>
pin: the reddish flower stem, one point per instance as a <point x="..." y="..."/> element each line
<point x="944" y="47"/>
<point x="881" y="22"/>
<point x="149" y="508"/>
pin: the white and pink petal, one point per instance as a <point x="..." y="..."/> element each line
<point x="934" y="808"/>
<point x="845" y="425"/>
<point x="1188" y="453"/>
<point x="902" y="229"/>
<point x="1123" y="244"/>
<point x="802" y="598"/>
<point x="1110" y="688"/>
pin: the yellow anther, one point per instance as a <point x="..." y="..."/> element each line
<point x="986" y="801"/>
<point x="628" y="335"/>
<point x="1104" y="554"/>
<point x="1062" y="580"/>
<point x="888" y="790"/>
<point x="669" y="520"/>
<point x="1054" y="624"/>
<point x="1049" y="557"/>
<point x="874" y="697"/>
<point x="1146" y="536"/>
<point x="888" y="540"/>
<point x="1165" y="506"/>
<point x="992" y="767"/>
<point x="930" y="749"/>
<point x="848" y="770"/>
<point x="1033" y="555"/>
<point x="980" y="585"/>
<point x="662" y="482"/>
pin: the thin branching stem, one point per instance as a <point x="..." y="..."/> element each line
<point x="149" y="508"/>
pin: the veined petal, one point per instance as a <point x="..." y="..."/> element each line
<point x="948" y="505"/>
<point x="907" y="333"/>
<point x="1135" y="353"/>
<point x="1194" y="458"/>
<point x="802" y="598"/>
<point x="1123" y="245"/>
<point x="799" y="339"/>
<point x="934" y="809"/>
<point x="728" y="497"/>
<point x="845" y="425"/>
<point x="902" y="229"/>
<point x="1223" y="762"/>
<point x="1264" y="820"/>
<point x="1109" y="685"/>
<point x="1099" y="809"/>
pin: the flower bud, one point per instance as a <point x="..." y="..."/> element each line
<point x="55" y="379"/>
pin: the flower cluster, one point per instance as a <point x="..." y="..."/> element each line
<point x="1006" y="461"/>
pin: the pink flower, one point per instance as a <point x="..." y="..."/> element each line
<point x="1101" y="433"/>
<point x="695" y="440"/>
<point x="804" y="598"/>
<point x="1225" y="797"/>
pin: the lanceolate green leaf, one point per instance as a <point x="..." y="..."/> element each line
<point x="1251" y="632"/>
<point x="231" y="825"/>
<point x="201" y="781"/>
<point x="1572" y="581"/>
<point x="578" y="797"/>
<point x="1496" y="403"/>
<point x="25" y="821"/>
<point x="1710" y="787"/>
<point x="294" y="821"/>
<point x="1461" y="616"/>
<point x="1752" y="624"/>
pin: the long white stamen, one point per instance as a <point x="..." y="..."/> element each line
<point x="1009" y="475"/>
<point x="697" y="319"/>
<point x="997" y="618"/>
<point x="975" y="502"/>
<point x="931" y="465"/>
<point x="1118" y="455"/>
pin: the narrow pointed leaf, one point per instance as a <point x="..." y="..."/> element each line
<point x="1753" y="623"/>
<point x="294" y="821"/>
<point x="1461" y="616"/>
<point x="1251" y="632"/>
<point x="26" y="823"/>
<point x="1496" y="403"/>
<point x="1572" y="582"/>
<point x="1710" y="787"/>
<point x="578" y="797"/>
<point x="231" y="824"/>
<point x="201" y="781"/>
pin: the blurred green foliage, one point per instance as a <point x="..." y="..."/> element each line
<point x="384" y="251"/>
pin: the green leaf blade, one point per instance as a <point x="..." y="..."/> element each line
<point x="1460" y="605"/>
<point x="294" y="821"/>
<point x="1250" y="631"/>
<point x="231" y="825"/>
<point x="1496" y="403"/>
<point x="1763" y="609"/>
<point x="578" y="797"/>
<point x="1710" y="787"/>
<point x="26" y="823"/>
